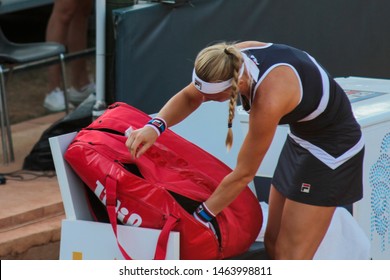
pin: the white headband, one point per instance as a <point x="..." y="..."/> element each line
<point x="210" y="88"/>
<point x="213" y="88"/>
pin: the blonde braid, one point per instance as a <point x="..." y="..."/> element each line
<point x="237" y="61"/>
<point x="221" y="62"/>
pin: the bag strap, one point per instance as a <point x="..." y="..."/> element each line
<point x="111" y="185"/>
<point x="162" y="242"/>
<point x="111" y="202"/>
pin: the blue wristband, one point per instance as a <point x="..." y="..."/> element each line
<point x="158" y="123"/>
<point x="203" y="213"/>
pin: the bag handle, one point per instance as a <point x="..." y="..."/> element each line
<point x="111" y="202"/>
<point x="162" y="242"/>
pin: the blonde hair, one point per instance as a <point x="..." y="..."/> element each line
<point x="221" y="62"/>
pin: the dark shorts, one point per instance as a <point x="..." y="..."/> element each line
<point x="301" y="177"/>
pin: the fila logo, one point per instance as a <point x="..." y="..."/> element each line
<point x="198" y="84"/>
<point x="123" y="214"/>
<point x="254" y="59"/>
<point x="305" y="188"/>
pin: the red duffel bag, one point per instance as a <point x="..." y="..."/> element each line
<point x="162" y="188"/>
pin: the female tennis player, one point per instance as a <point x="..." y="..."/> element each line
<point x="320" y="166"/>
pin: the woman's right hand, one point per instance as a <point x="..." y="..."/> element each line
<point x="140" y="140"/>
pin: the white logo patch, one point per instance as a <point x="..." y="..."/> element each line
<point x="305" y="188"/>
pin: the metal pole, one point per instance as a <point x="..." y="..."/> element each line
<point x="100" y="104"/>
<point x="105" y="45"/>
<point x="8" y="150"/>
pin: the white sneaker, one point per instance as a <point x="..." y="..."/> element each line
<point x="76" y="96"/>
<point x="55" y="101"/>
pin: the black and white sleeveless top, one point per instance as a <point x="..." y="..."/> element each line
<point x="323" y="121"/>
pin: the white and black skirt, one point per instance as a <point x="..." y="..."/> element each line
<point x="309" y="175"/>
